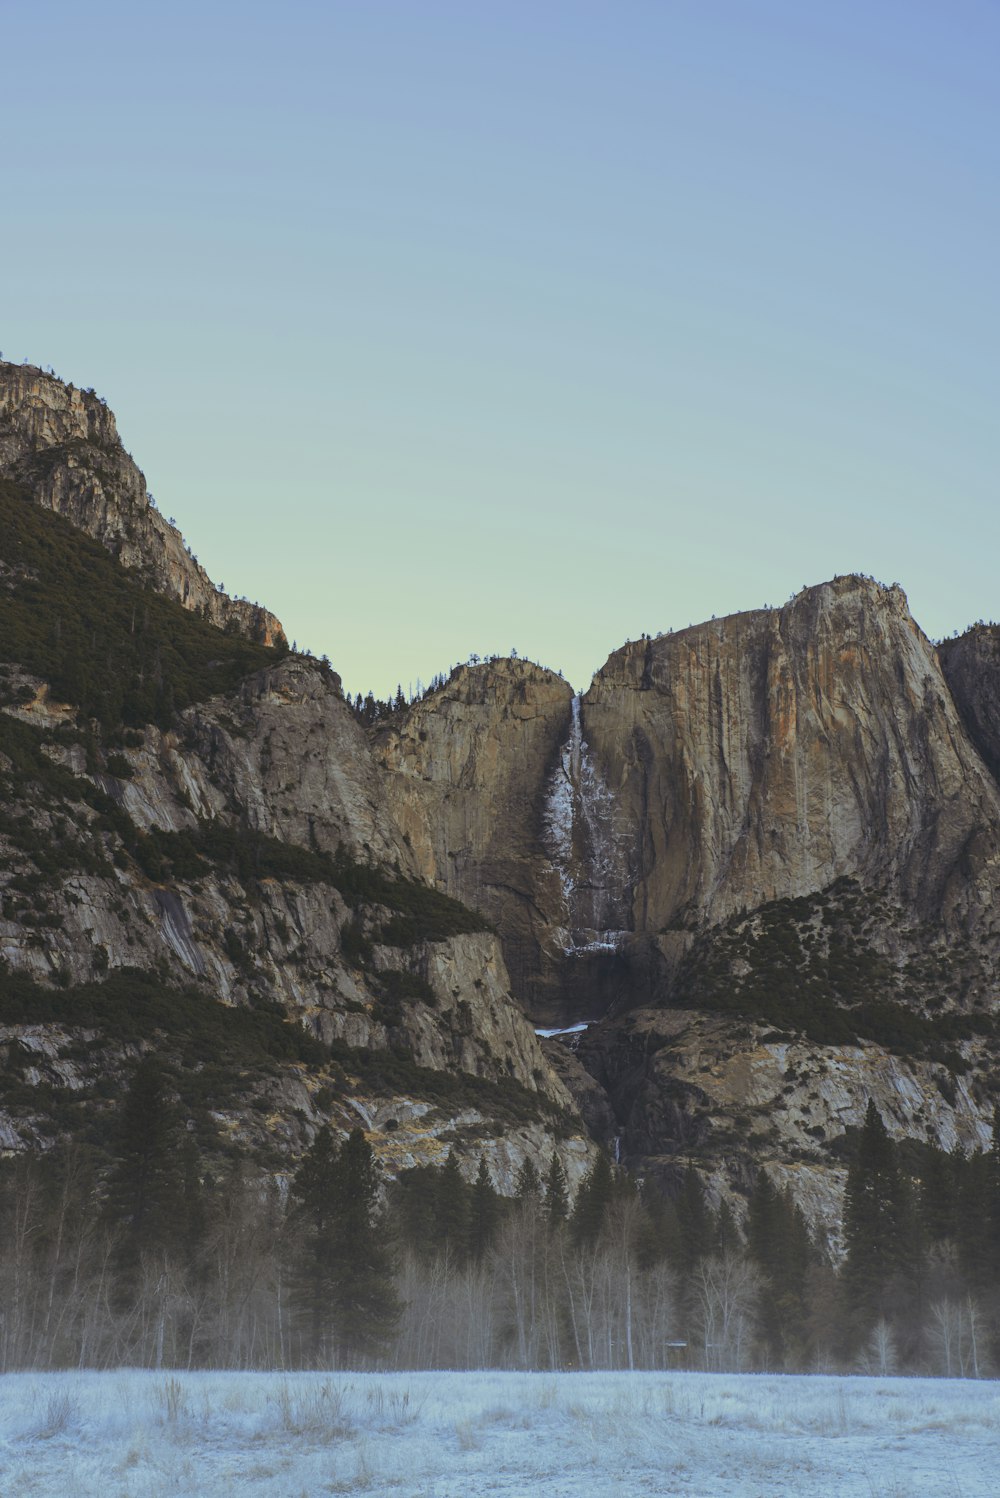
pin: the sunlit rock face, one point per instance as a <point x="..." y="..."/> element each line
<point x="63" y="444"/>
<point x="769" y="753"/>
<point x="753" y="759"/>
<point x="467" y="775"/>
<point x="744" y="760"/>
<point x="631" y="845"/>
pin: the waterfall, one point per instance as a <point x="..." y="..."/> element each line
<point x="579" y="834"/>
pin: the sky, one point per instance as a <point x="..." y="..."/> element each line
<point x="453" y="328"/>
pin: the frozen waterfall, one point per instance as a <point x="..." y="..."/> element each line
<point x="579" y="831"/>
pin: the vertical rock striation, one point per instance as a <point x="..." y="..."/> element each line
<point x="466" y="777"/>
<point x="767" y="754"/>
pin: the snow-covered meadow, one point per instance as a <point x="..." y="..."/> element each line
<point x="514" y="1435"/>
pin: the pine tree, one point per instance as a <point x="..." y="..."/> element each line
<point x="366" y="1307"/>
<point x="726" y="1237"/>
<point x="692" y="1233"/>
<point x="484" y="1214"/>
<point x="556" y="1195"/>
<point x="973" y="1214"/>
<point x="145" y="1191"/>
<point x="314" y="1188"/>
<point x="764" y="1223"/>
<point x="344" y="1289"/>
<point x="415" y="1208"/>
<point x="876" y="1220"/>
<point x="528" y="1186"/>
<point x="937" y="1195"/>
<point x="994" y="1196"/>
<point x="451" y="1204"/>
<point x="592" y="1202"/>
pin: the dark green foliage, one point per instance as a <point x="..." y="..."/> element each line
<point x="145" y="1186"/>
<point x="485" y="1209"/>
<point x="414" y="1197"/>
<point x="556" y="1195"/>
<point x="213" y="1053"/>
<point x="355" y="945"/>
<point x="345" y="1291"/>
<point x="528" y="1186"/>
<point x="42" y="806"/>
<point x="938" y="1195"/>
<point x="315" y="1189"/>
<point x="807" y="965"/>
<point x="420" y="913"/>
<point x="119" y="652"/>
<point x="398" y="991"/>
<point x="592" y="1201"/>
<point x="778" y="1241"/>
<point x="726" y="1236"/>
<point x="132" y="1006"/>
<point x="977" y="1198"/>
<point x="879" y="1229"/>
<point x="451" y="1208"/>
<point x="692" y="1230"/>
<point x="395" y="1071"/>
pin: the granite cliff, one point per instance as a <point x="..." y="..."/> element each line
<point x="786" y="816"/>
<point x="751" y="874"/>
<point x="62" y="443"/>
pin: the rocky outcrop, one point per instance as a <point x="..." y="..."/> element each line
<point x="767" y="754"/>
<point x="687" y="1088"/>
<point x="286" y="759"/>
<point x="971" y="666"/>
<point x="466" y="776"/>
<point x="745" y="839"/>
<point x="63" y="445"/>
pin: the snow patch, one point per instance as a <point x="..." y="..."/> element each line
<point x="576" y="1029"/>
<point x="579" y="836"/>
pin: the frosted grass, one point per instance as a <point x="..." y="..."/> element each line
<point x="495" y="1435"/>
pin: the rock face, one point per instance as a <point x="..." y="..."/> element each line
<point x="285" y="759"/>
<point x="756" y="867"/>
<point x="63" y="444"/>
<point x="971" y="666"/>
<point x="418" y="1015"/>
<point x="466" y="777"/>
<point x="732" y="1097"/>
<point x="768" y="754"/>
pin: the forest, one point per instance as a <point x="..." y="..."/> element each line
<point x="154" y="1252"/>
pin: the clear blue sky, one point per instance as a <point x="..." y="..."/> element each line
<point x="454" y="327"/>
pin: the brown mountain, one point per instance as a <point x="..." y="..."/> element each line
<point x="758" y="860"/>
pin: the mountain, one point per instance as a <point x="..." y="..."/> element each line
<point x="198" y="857"/>
<point x="752" y="873"/>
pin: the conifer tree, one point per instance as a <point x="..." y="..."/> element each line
<point x="366" y="1307"/>
<point x="592" y="1201"/>
<point x="876" y="1219"/>
<point x="994" y="1196"/>
<point x="484" y="1214"/>
<point x="726" y="1238"/>
<point x="344" y="1290"/>
<point x="556" y="1195"/>
<point x="314" y="1188"/>
<point x="973" y="1215"/>
<point x="937" y="1195"/>
<point x="692" y="1234"/>
<point x="528" y="1186"/>
<point x="451" y="1203"/>
<point x="145" y="1193"/>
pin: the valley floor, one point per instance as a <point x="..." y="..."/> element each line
<point x="498" y="1435"/>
